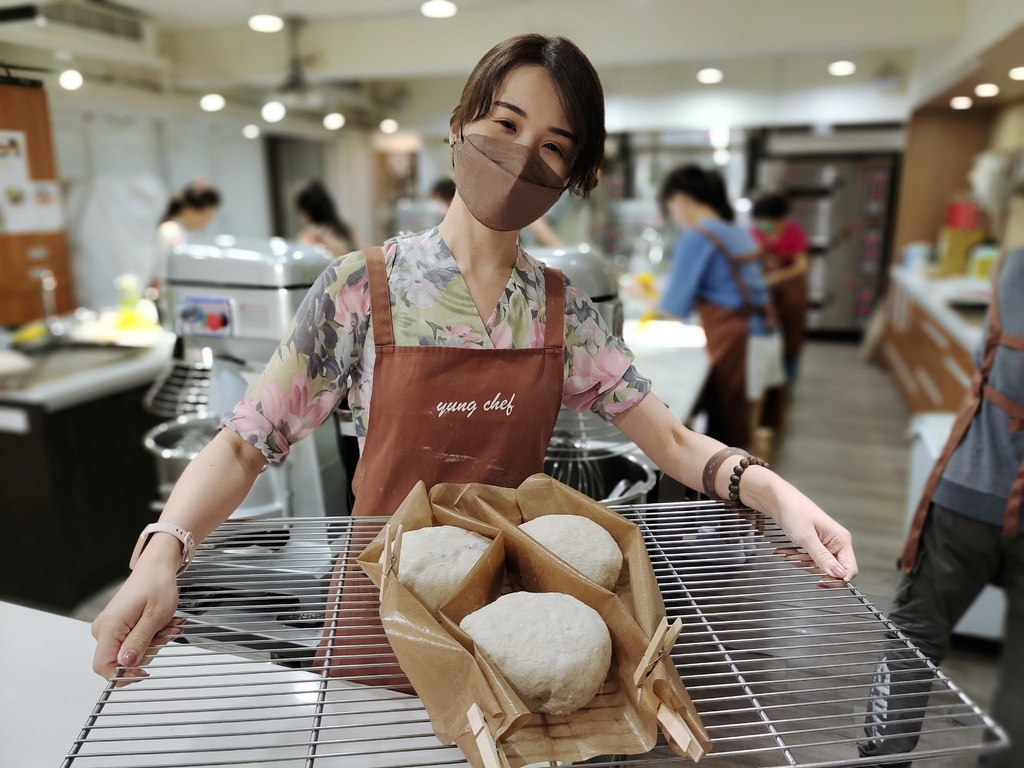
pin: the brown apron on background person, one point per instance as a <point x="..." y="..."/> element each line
<point x="727" y="332"/>
<point x="790" y="301"/>
<point x="440" y="415"/>
<point x="980" y="388"/>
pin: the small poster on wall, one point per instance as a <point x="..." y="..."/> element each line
<point x="26" y="205"/>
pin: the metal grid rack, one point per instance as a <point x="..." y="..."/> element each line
<point x="779" y="668"/>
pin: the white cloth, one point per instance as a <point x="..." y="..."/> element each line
<point x="764" y="364"/>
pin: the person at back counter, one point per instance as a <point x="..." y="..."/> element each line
<point x="434" y="326"/>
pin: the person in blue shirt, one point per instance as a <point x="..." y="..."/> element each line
<point x="716" y="269"/>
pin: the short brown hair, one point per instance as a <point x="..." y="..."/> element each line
<point x="578" y="86"/>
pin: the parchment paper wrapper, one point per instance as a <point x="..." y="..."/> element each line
<point x="449" y="674"/>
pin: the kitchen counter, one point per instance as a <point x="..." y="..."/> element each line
<point x="933" y="327"/>
<point x="69" y="376"/>
<point x="49" y="687"/>
<point x="939" y="297"/>
<point x="673" y="355"/>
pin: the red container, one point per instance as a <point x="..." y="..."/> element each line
<point x="963" y="214"/>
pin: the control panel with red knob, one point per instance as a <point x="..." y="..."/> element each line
<point x="205" y="316"/>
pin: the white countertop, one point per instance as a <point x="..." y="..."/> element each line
<point x="934" y="293"/>
<point x="673" y="355"/>
<point x="130" y="368"/>
<point x="49" y="687"/>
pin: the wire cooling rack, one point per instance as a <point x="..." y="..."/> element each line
<point x="780" y="669"/>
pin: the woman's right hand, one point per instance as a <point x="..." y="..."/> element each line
<point x="141" y="614"/>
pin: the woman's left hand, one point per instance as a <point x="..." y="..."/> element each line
<point x="827" y="543"/>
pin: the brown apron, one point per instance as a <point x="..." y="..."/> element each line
<point x="440" y="415"/>
<point x="727" y="332"/>
<point x="790" y="301"/>
<point x="980" y="388"/>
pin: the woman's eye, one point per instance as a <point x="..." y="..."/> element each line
<point x="507" y="124"/>
<point x="554" y="148"/>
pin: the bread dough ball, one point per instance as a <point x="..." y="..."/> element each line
<point x="433" y="561"/>
<point x="554" y="650"/>
<point x="582" y="543"/>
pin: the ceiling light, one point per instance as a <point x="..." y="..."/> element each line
<point x="986" y="89"/>
<point x="743" y="205"/>
<point x="273" y="111"/>
<point x="710" y="76"/>
<point x="212" y="102"/>
<point x="266" y="22"/>
<point x="387" y="125"/>
<point x="721" y="156"/>
<point x="961" y="102"/>
<point x="251" y="131"/>
<point x="334" y="121"/>
<point x="719" y="136"/>
<point x="439" y="9"/>
<point x="71" y="79"/>
<point x="842" y="68"/>
<point x="1017" y="73"/>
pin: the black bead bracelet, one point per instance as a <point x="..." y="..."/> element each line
<point x="737" y="473"/>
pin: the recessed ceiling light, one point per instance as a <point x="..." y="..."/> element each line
<point x="265" y="22"/>
<point x="721" y="156"/>
<point x="743" y="205"/>
<point x="273" y="111"/>
<point x="71" y="79"/>
<point x="334" y="121"/>
<point x="710" y="76"/>
<point x="719" y="136"/>
<point x="986" y="89"/>
<point x="387" y="125"/>
<point x="251" y="131"/>
<point x="212" y="102"/>
<point x="961" y="102"/>
<point x="439" y="9"/>
<point x="842" y="68"/>
<point x="1017" y="73"/>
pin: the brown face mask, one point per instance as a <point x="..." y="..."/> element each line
<point x="505" y="185"/>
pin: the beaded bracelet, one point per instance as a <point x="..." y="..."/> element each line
<point x="737" y="473"/>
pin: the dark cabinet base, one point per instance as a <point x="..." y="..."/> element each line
<point x="75" y="494"/>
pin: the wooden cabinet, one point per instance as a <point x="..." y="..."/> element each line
<point x="931" y="369"/>
<point x="24" y="255"/>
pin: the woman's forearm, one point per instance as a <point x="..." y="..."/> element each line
<point x="213" y="484"/>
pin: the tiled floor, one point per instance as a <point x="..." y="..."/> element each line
<point x="845" y="445"/>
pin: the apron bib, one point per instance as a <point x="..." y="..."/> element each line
<point x="440" y="415"/>
<point x="980" y="389"/>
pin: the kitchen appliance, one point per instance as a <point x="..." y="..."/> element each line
<point x="778" y="668"/>
<point x="586" y="452"/>
<point x="844" y="205"/>
<point x="232" y="301"/>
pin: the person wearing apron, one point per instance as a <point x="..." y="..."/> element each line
<point x="716" y="268"/>
<point x="966" y="533"/>
<point x="784" y="247"/>
<point x="456" y="350"/>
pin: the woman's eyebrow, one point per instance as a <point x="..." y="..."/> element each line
<point x="522" y="113"/>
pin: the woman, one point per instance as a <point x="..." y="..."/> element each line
<point x="784" y="246"/>
<point x="188" y="212"/>
<point x="321" y="223"/>
<point x="460" y="347"/>
<point x="716" y="267"/>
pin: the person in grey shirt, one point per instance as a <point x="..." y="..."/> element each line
<point x="966" y="534"/>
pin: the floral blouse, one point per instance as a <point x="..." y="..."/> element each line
<point x="329" y="351"/>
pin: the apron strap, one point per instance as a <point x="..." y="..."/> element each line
<point x="768" y="310"/>
<point x="1011" y="341"/>
<point x="554" y="311"/>
<point x="1011" y="519"/>
<point x="380" y="298"/>
<point x="1014" y="410"/>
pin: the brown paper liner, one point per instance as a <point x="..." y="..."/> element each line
<point x="449" y="674"/>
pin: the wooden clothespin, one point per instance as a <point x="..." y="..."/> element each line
<point x="660" y="647"/>
<point x="392" y="550"/>
<point x="679" y="732"/>
<point x="485" y="744"/>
